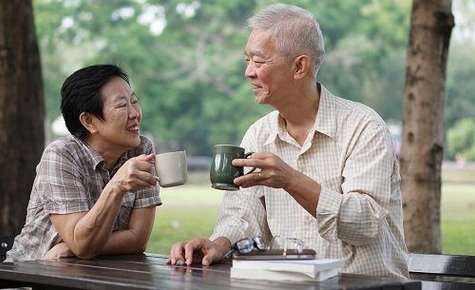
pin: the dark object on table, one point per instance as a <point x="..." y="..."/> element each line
<point x="277" y="254"/>
<point x="6" y="243"/>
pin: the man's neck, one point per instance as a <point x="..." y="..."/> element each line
<point x="299" y="113"/>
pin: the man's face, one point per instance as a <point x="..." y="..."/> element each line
<point x="268" y="71"/>
<point x="120" y="129"/>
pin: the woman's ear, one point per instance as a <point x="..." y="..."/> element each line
<point x="87" y="120"/>
<point x="302" y="66"/>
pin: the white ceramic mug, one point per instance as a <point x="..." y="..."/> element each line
<point x="171" y="168"/>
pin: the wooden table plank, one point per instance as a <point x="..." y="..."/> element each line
<point x="151" y="272"/>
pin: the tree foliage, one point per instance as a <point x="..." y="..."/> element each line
<point x="185" y="58"/>
<point x="461" y="139"/>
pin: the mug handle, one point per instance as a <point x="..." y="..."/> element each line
<point x="246" y="156"/>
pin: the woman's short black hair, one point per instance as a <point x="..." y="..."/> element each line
<point x="81" y="93"/>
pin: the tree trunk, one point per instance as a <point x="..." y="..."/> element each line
<point x="422" y="145"/>
<point x="21" y="111"/>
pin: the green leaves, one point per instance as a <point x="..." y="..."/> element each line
<point x="185" y="59"/>
<point x="461" y="139"/>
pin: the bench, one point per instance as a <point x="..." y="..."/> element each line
<point x="6" y="244"/>
<point x="443" y="271"/>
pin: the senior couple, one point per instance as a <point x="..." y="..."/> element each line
<point x="328" y="175"/>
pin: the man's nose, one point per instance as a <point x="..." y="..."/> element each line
<point x="250" y="71"/>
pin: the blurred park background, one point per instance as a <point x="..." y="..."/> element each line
<point x="186" y="63"/>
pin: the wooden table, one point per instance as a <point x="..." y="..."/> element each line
<point x="151" y="272"/>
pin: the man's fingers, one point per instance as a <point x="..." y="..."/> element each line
<point x="176" y="253"/>
<point x="261" y="155"/>
<point x="259" y="163"/>
<point x="211" y="257"/>
<point x="190" y="248"/>
<point x="207" y="260"/>
<point x="189" y="253"/>
<point x="251" y="179"/>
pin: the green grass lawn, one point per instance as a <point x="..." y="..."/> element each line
<point x="190" y="211"/>
<point x="458" y="219"/>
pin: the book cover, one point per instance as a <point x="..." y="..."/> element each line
<point x="264" y="274"/>
<point x="293" y="270"/>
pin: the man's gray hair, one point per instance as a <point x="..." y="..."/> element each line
<point x="294" y="31"/>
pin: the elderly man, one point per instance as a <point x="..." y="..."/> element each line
<point x="95" y="191"/>
<point x="328" y="175"/>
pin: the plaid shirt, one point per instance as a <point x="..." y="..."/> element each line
<point x="69" y="179"/>
<point x="359" y="213"/>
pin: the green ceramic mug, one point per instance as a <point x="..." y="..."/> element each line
<point x="222" y="171"/>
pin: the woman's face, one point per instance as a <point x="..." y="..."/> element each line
<point x="120" y="128"/>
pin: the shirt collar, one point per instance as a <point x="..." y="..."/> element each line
<point x="325" y="121"/>
<point x="96" y="157"/>
<point x="275" y="127"/>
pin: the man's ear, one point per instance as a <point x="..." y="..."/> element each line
<point x="87" y="120"/>
<point x="302" y="65"/>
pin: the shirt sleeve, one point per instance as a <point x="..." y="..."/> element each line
<point x="149" y="196"/>
<point x="242" y="213"/>
<point x="357" y="214"/>
<point x="59" y="183"/>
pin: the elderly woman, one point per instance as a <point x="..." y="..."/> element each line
<point x="95" y="191"/>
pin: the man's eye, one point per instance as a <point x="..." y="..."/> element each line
<point x="121" y="105"/>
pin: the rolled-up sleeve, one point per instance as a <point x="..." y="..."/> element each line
<point x="357" y="214"/>
<point x="242" y="213"/>
<point x="148" y="197"/>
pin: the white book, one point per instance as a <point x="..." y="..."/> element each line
<point x="312" y="266"/>
<point x="315" y="270"/>
<point x="263" y="274"/>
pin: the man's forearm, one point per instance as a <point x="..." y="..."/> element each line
<point x="305" y="191"/>
<point x="94" y="229"/>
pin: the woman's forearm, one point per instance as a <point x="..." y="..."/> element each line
<point x="123" y="242"/>
<point x="93" y="230"/>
